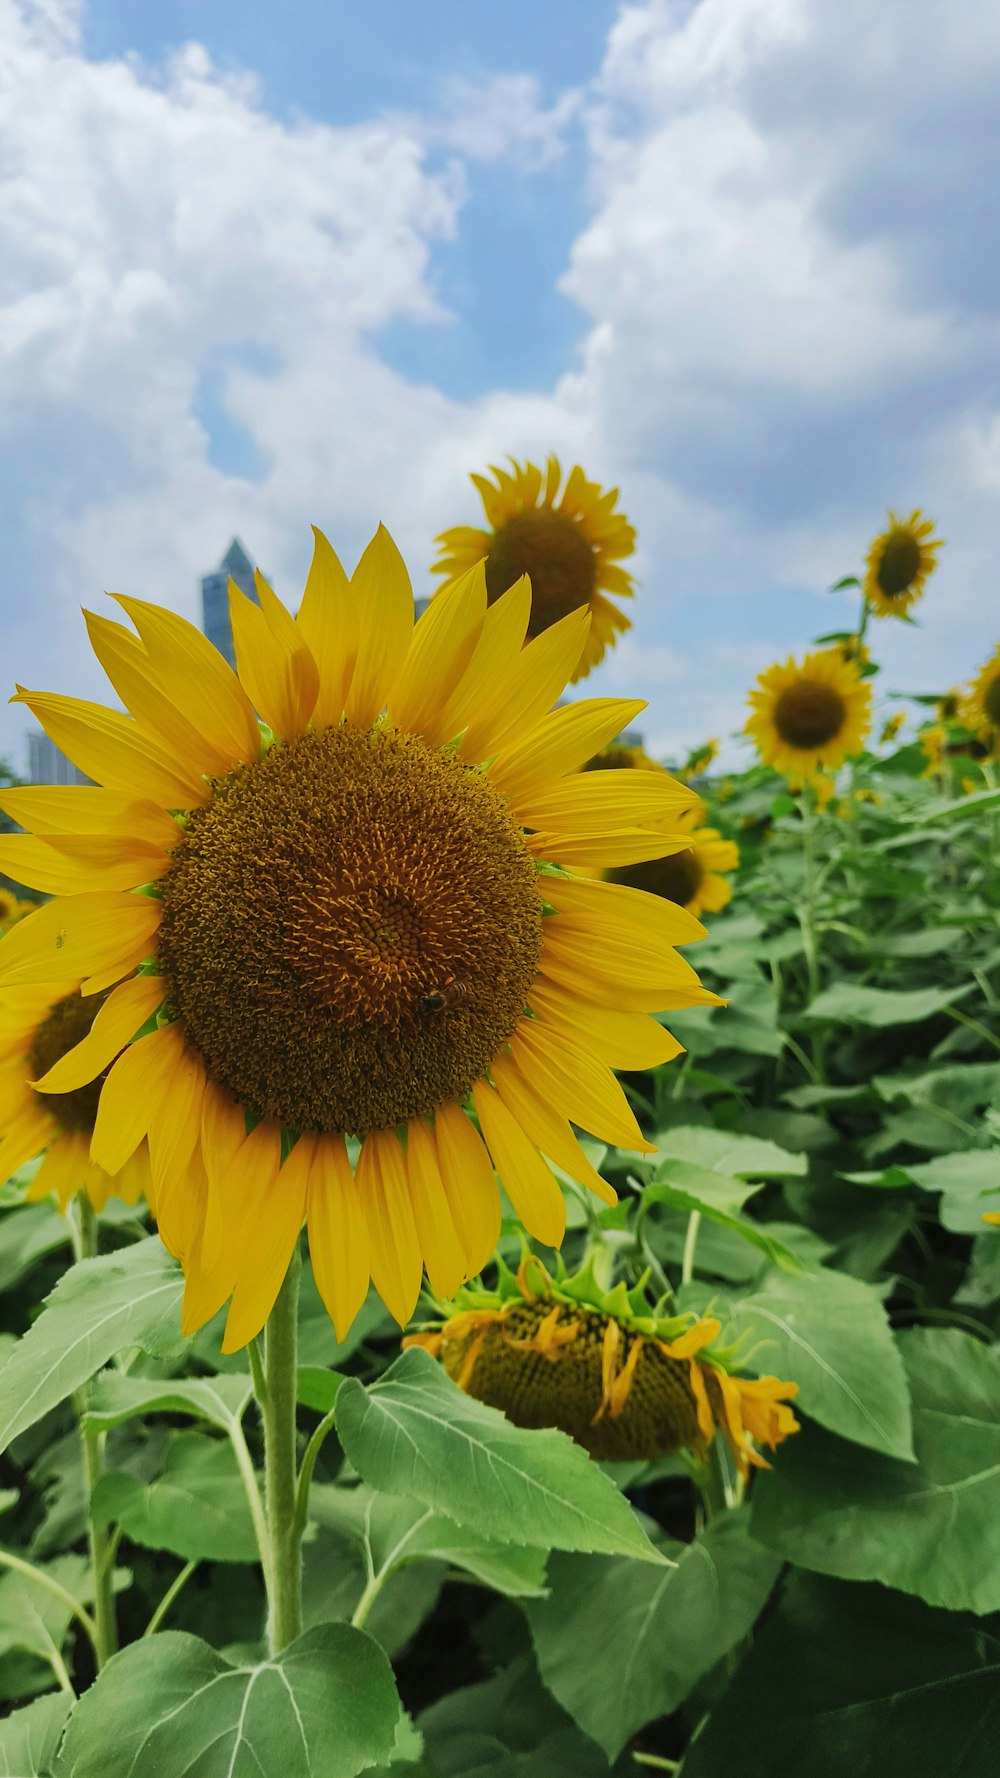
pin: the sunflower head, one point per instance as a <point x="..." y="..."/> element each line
<point x="603" y="1367"/>
<point x="345" y="906"/>
<point x="980" y="708"/>
<point x="809" y="718"/>
<point x="899" y="563"/>
<point x="569" y="546"/>
<point x="38" y="1028"/>
<point x="891" y="727"/>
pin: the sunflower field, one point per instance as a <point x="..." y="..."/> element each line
<point x="498" y="1232"/>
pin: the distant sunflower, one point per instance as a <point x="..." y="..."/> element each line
<point x="892" y="726"/>
<point x="809" y="718"/>
<point x="604" y="1368"/>
<point x="570" y="549"/>
<point x="38" y="1027"/>
<point x="980" y="708"/>
<point x="361" y="920"/>
<point x="900" y="562"/>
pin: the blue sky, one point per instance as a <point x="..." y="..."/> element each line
<point x="263" y="267"/>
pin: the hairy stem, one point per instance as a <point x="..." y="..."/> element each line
<point x="284" y="1532"/>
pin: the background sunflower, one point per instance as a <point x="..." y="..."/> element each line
<point x="809" y="718"/>
<point x="899" y="563"/>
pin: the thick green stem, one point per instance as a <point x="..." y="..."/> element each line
<point x="278" y="1413"/>
<point x="102" y="1550"/>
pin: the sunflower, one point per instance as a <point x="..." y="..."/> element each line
<point x="604" y="1368"/>
<point x="809" y="718"/>
<point x="980" y="709"/>
<point x="892" y="726"/>
<point x="690" y="878"/>
<point x="899" y="564"/>
<point x="359" y="919"/>
<point x="570" y="550"/>
<point x="38" y="1027"/>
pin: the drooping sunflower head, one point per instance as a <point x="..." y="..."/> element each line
<point x="809" y="718"/>
<point x="338" y="897"/>
<point x="899" y="563"/>
<point x="38" y="1027"/>
<point x="570" y="547"/>
<point x="980" y="708"/>
<point x="601" y="1366"/>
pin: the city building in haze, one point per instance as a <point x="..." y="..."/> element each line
<point x="235" y="565"/>
<point x="47" y="763"/>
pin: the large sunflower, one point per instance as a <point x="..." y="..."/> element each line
<point x="809" y="718"/>
<point x="604" y="1368"/>
<point x="347" y="925"/>
<point x="900" y="562"/>
<point x="690" y="878"/>
<point x="570" y="550"/>
<point x="38" y="1026"/>
<point x="980" y="708"/>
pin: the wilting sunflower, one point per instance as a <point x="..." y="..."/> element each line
<point x="570" y="550"/>
<point x="603" y="1367"/>
<point x="980" y="709"/>
<point x="346" y="925"/>
<point x="899" y="564"/>
<point x="809" y="718"/>
<point x="38" y="1026"/>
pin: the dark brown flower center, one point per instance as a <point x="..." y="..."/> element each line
<point x="68" y="1024"/>
<point x="809" y="713"/>
<point x="676" y="878"/>
<point x="536" y="1389"/>
<point x="350" y="928"/>
<point x="899" y="563"/>
<point x="991" y="701"/>
<point x="554" y="553"/>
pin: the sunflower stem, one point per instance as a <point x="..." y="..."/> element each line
<point x="690" y="1244"/>
<point x="102" y="1547"/>
<point x="284" y="1569"/>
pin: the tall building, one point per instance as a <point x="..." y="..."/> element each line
<point x="235" y="565"/>
<point x="47" y="764"/>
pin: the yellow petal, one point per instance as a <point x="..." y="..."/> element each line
<point x="561" y="742"/>
<point x="606" y="801"/>
<point x="173" y="1138"/>
<point x="117" y="1022"/>
<point x="274" y="1217"/>
<point x="328" y="619"/>
<point x="115" y="751"/>
<point x="394" y="1250"/>
<point x="86" y="809"/>
<point x="480" y="693"/>
<point x="547" y="1130"/>
<point x="338" y="1233"/>
<point x="381" y="588"/>
<point x="469" y="1185"/>
<point x="194" y="676"/>
<point x="132" y="1097"/>
<point x="622" y="1039"/>
<point x="25" y="1137"/>
<point x="573" y="970"/>
<point x="615" y="956"/>
<point x="444" y="1253"/>
<point x="604" y="851"/>
<point x="63" y="1171"/>
<point x="273" y="660"/>
<point x="95" y="938"/>
<point x="529" y="1183"/>
<point x="440" y="651"/>
<point x="126" y="664"/>
<point x="533" y="683"/>
<point x="578" y="1085"/>
<point x="71" y="864"/>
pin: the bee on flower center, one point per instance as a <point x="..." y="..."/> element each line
<point x="451" y="995"/>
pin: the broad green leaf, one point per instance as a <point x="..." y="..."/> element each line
<point x="32" y="1618"/>
<point x="507" y="1727"/>
<point x="317" y="1387"/>
<point x="334" y="1582"/>
<point x="829" y="1333"/>
<point x="27" y="1234"/>
<point x="932" y="1528"/>
<point x="29" y="1738"/>
<point x="670" y="1627"/>
<point x="853" y="1004"/>
<point x="971" y="806"/>
<point x="197" y="1508"/>
<point x="969" y="1183"/>
<point x="734" y="1156"/>
<point x="325" y="1707"/>
<point x="684" y="1186"/>
<point x="98" y="1308"/>
<point x="960" y="1088"/>
<point x="415" y="1433"/>
<point x="393" y="1531"/>
<point x="115" y="1398"/>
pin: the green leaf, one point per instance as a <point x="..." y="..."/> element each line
<point x="32" y="1618"/>
<point x="670" y="1627"/>
<point x="849" y="1682"/>
<point x="734" y="1156"/>
<point x="325" y="1707"/>
<point x="415" y="1433"/>
<point x="98" y="1308"/>
<point x="684" y="1186"/>
<point x="317" y="1387"/>
<point x="114" y="1398"/>
<point x="27" y="1234"/>
<point x="197" y="1508"/>
<point x="393" y="1532"/>
<point x="29" y="1737"/>
<point x="932" y="1528"/>
<point x="853" y="1004"/>
<point x="829" y="1333"/>
<point x="508" y="1727"/>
